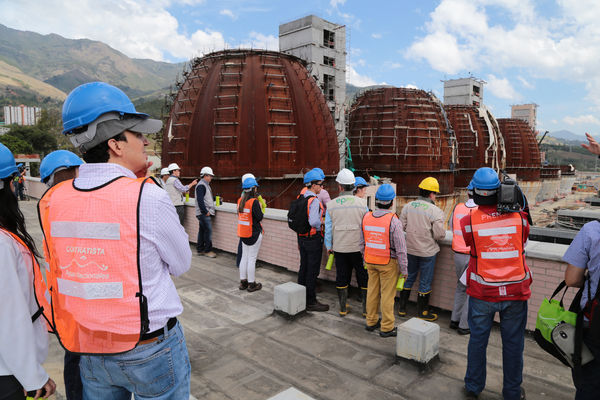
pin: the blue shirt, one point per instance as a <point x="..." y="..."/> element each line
<point x="314" y="211"/>
<point x="584" y="252"/>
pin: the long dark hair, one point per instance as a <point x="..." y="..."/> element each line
<point x="11" y="217"/>
<point x="245" y="197"/>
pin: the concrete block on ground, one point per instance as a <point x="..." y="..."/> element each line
<point x="290" y="298"/>
<point x="291" y="394"/>
<point x="418" y="340"/>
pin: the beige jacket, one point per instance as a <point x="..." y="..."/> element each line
<point x="346" y="213"/>
<point x="424" y="224"/>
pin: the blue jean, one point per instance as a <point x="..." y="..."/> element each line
<point x="513" y="318"/>
<point x="204" y="243"/>
<point x="426" y="265"/>
<point x="156" y="370"/>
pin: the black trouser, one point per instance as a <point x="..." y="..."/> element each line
<point x="238" y="259"/>
<point x="344" y="264"/>
<point x="311" y="249"/>
<point x="10" y="388"/>
<point x="587" y="382"/>
<point x="73" y="385"/>
<point x="180" y="213"/>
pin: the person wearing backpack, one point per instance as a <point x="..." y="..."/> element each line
<point x="305" y="218"/>
<point x="584" y="254"/>
<point x="249" y="231"/>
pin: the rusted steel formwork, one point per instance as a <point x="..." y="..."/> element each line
<point x="480" y="143"/>
<point x="402" y="134"/>
<point x="522" y="152"/>
<point x="252" y="111"/>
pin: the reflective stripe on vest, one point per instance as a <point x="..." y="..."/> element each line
<point x="40" y="289"/>
<point x="92" y="239"/>
<point x="244" y="228"/>
<point x="498" y="243"/>
<point x="376" y="231"/>
<point x="458" y="242"/>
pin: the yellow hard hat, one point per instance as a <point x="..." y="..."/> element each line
<point x="431" y="184"/>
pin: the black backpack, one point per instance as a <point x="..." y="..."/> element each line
<point x="298" y="216"/>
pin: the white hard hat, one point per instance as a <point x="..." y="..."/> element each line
<point x="345" y="177"/>
<point x="173" y="167"/>
<point x="246" y="176"/>
<point x="206" y="171"/>
<point x="164" y="171"/>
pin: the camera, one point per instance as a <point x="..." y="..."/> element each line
<point x="509" y="195"/>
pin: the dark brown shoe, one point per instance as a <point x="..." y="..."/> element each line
<point x="317" y="307"/>
<point x="243" y="284"/>
<point x="254" y="286"/>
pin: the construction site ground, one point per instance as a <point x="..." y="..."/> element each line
<point x="240" y="349"/>
<point x="544" y="213"/>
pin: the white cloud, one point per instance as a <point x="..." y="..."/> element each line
<point x="461" y="37"/>
<point x="139" y="29"/>
<point x="411" y="86"/>
<point x="228" y="13"/>
<point x="259" y="41"/>
<point x="582" y="119"/>
<point x="501" y="88"/>
<point x="376" y="35"/>
<point x="357" y="79"/>
<point x="392" y="65"/>
<point x="336" y="3"/>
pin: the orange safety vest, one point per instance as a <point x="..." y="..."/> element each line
<point x="40" y="289"/>
<point x="458" y="241"/>
<point x="376" y="231"/>
<point x="244" y="228"/>
<point x="313" y="231"/>
<point x="499" y="270"/>
<point x="92" y="244"/>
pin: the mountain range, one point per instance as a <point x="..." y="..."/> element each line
<point x="51" y="65"/>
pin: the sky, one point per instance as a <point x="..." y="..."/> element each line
<point x="545" y="52"/>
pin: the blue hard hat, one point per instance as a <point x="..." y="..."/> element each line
<point x="7" y="162"/>
<point x="58" y="159"/>
<point x="470" y="187"/>
<point x="249" y="183"/>
<point x="87" y="102"/>
<point x="385" y="192"/>
<point x="360" y="181"/>
<point x="313" y="175"/>
<point x="485" y="178"/>
<point x="321" y="173"/>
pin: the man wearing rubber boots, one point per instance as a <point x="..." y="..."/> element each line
<point x="498" y="280"/>
<point x="382" y="242"/>
<point x="343" y="221"/>
<point x="423" y="223"/>
<point x="110" y="262"/>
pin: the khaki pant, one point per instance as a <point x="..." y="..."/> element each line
<point x="382" y="290"/>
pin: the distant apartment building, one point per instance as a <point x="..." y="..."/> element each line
<point x="526" y="112"/>
<point x="21" y="115"/>
<point x="463" y="91"/>
<point x="322" y="44"/>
